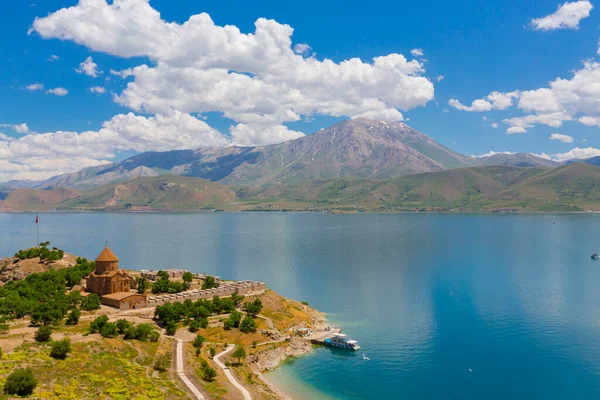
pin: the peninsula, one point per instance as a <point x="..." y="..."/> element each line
<point x="77" y="329"/>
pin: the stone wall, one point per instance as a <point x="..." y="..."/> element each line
<point x="226" y="289"/>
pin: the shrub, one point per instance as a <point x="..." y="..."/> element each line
<point x="43" y="334"/>
<point x="227" y="324"/>
<point x="209" y="282"/>
<point x="212" y="351"/>
<point x="97" y="324"/>
<point x="73" y="318"/>
<point x="209" y="374"/>
<point x="153" y="336"/>
<point x="171" y="328"/>
<point x="162" y="362"/>
<point x="122" y="326"/>
<point x="194" y="326"/>
<point x="240" y="354"/>
<point x="248" y="325"/>
<point x="60" y="349"/>
<point x="254" y="307"/>
<point x="234" y="318"/>
<point x="20" y="382"/>
<point x="90" y="302"/>
<point x="142" y="284"/>
<point x="143" y="332"/>
<point x="187" y="277"/>
<point x="109" y="330"/>
<point x="198" y="341"/>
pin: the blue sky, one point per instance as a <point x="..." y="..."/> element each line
<point x="477" y="47"/>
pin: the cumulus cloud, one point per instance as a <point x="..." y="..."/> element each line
<point x="577" y="154"/>
<point x="562" y="138"/>
<point x="256" y="79"/>
<point x="493" y="101"/>
<point x="98" y="89"/>
<point x="521" y="124"/>
<point x="89" y="68"/>
<point x="417" y="52"/>
<point x="302" y="48"/>
<point x="59" y="91"/>
<point x="439" y="78"/>
<point x="567" y="16"/>
<point x="590" y="121"/>
<point x="494" y="125"/>
<point x="27" y="156"/>
<point x="34" y="87"/>
<point x="493" y="153"/>
<point x="19" y="128"/>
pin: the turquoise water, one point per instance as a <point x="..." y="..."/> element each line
<point x="513" y="298"/>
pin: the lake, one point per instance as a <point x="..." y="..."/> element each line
<point x="465" y="306"/>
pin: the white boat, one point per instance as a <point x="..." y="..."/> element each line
<point x="341" y="340"/>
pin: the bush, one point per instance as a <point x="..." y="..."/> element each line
<point x="209" y="374"/>
<point x="60" y="349"/>
<point x="212" y="351"/>
<point x="129" y="333"/>
<point x="143" y="332"/>
<point x="43" y="334"/>
<point x="20" y="382"/>
<point x="162" y="362"/>
<point x="97" y="324"/>
<point x="187" y="277"/>
<point x="73" y="318"/>
<point x="234" y="319"/>
<point x="153" y="336"/>
<point x="248" y="325"/>
<point x="198" y="341"/>
<point x="142" y="284"/>
<point x="194" y="326"/>
<point x="122" y="326"/>
<point x="227" y="324"/>
<point x="254" y="307"/>
<point x="171" y="328"/>
<point x="109" y="330"/>
<point x="240" y="354"/>
<point x="90" y="302"/>
<point x="209" y="283"/>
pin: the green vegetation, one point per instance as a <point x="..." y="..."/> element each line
<point x="239" y="354"/>
<point x="164" y="285"/>
<point x="162" y="362"/>
<point x="91" y="302"/>
<point x="142" y="284"/>
<point x="43" y="296"/>
<point x="189" y="310"/>
<point x="209" y="283"/>
<point x="233" y="321"/>
<point x="43" y="334"/>
<point x="248" y="325"/>
<point x="73" y="317"/>
<point x="60" y="349"/>
<point x="253" y="307"/>
<point x="142" y="332"/>
<point x="20" y="382"/>
<point x="187" y="277"/>
<point x="207" y="372"/>
<point x="42" y="252"/>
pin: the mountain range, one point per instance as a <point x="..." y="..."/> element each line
<point x="360" y="163"/>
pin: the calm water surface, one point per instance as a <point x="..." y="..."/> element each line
<point x="446" y="306"/>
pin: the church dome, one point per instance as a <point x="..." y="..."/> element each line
<point x="107" y="256"/>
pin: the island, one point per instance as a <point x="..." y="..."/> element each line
<point x="71" y="328"/>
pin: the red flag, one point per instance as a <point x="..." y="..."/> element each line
<point x="36" y="219"/>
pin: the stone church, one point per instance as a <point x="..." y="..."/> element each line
<point x="107" y="278"/>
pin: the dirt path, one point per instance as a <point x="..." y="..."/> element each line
<point x="181" y="371"/>
<point x="228" y="373"/>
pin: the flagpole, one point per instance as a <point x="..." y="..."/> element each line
<point x="37" y="224"/>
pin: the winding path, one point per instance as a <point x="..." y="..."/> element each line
<point x="181" y="372"/>
<point x="228" y="373"/>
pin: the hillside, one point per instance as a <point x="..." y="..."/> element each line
<point x="362" y="148"/>
<point x="573" y="187"/>
<point x="517" y="160"/>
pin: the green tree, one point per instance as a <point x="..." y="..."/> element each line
<point x="43" y="334"/>
<point x="194" y="326"/>
<point x="198" y="341"/>
<point x="97" y="324"/>
<point x="153" y="336"/>
<point x="253" y="307"/>
<point x="122" y="326"/>
<point x="248" y="325"/>
<point x="240" y="354"/>
<point x="143" y="331"/>
<point x="73" y="318"/>
<point x="60" y="349"/>
<point x="90" y="302"/>
<point x="209" y="374"/>
<point x="164" y="275"/>
<point x="142" y="284"/>
<point x="20" y="382"/>
<point x="209" y="282"/>
<point x="171" y="328"/>
<point x="212" y="351"/>
<point x="187" y="277"/>
<point x="109" y="330"/>
<point x="162" y="362"/>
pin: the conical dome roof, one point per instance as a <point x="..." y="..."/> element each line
<point x="107" y="255"/>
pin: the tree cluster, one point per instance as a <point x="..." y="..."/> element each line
<point x="42" y="252"/>
<point x="142" y="332"/>
<point x="43" y="296"/>
<point x="210" y="283"/>
<point x="165" y="285"/>
<point x="253" y="307"/>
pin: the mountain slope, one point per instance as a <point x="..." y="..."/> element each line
<point x="36" y="199"/>
<point x="517" y="160"/>
<point x="360" y="147"/>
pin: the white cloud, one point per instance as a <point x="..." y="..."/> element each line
<point x="53" y="58"/>
<point x="493" y="153"/>
<point x="89" y="68"/>
<point x="19" y="128"/>
<point x="98" y="89"/>
<point x="478" y="105"/>
<point x="34" y="87"/>
<point x="561" y="137"/>
<point x="493" y="101"/>
<point x="590" y="121"/>
<point x="59" y="91"/>
<point x="540" y="100"/>
<point x="31" y="156"/>
<point x="302" y="48"/>
<point x="521" y="124"/>
<point x="516" y="129"/>
<point x="417" y="52"/>
<point x="255" y="79"/>
<point x="439" y="78"/>
<point x="244" y="135"/>
<point x="567" y="16"/>
<point x="577" y="154"/>
<point x="543" y="155"/>
<point x="494" y="125"/>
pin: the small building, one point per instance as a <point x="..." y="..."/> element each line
<point x="124" y="300"/>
